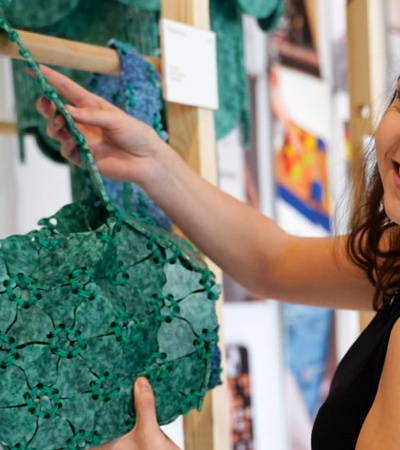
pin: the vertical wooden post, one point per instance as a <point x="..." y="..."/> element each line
<point x="366" y="83"/>
<point x="192" y="134"/>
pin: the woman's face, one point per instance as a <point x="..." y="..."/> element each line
<point x="387" y="142"/>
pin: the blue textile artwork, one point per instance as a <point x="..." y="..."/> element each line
<point x="137" y="91"/>
<point x="308" y="332"/>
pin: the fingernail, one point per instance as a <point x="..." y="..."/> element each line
<point x="71" y="108"/>
<point x="30" y="72"/>
<point x="143" y="383"/>
<point x="42" y="102"/>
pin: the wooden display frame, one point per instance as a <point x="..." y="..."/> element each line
<point x="366" y="80"/>
<point x="192" y="134"/>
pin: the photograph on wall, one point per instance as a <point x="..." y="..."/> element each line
<point x="392" y="14"/>
<point x="393" y="39"/>
<point x="295" y="42"/>
<point x="254" y="375"/>
<point x="309" y="358"/>
<point x="238" y="377"/>
<point x="347" y="147"/>
<point x="301" y="175"/>
<point x="300" y="144"/>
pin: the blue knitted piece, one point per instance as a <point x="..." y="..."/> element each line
<point x="137" y="91"/>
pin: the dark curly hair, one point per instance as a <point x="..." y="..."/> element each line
<point x="368" y="224"/>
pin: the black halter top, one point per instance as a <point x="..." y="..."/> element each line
<point x="354" y="385"/>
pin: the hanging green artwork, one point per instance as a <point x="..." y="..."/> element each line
<point x="45" y="12"/>
<point x="93" y="299"/>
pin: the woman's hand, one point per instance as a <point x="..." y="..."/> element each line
<point x="146" y="435"/>
<point x="124" y="148"/>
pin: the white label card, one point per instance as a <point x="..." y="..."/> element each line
<point x="189" y="60"/>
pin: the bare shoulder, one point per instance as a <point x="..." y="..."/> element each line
<point x="381" y="428"/>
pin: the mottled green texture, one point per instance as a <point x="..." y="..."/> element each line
<point x="89" y="302"/>
<point x="136" y="22"/>
<point x="44" y="13"/>
<point x="272" y="21"/>
<point x="259" y="8"/>
<point x="88" y="306"/>
<point x="226" y="20"/>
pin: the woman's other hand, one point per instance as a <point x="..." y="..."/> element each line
<point x="146" y="435"/>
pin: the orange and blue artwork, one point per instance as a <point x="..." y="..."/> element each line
<point x="301" y="174"/>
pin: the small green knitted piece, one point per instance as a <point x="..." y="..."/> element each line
<point x="89" y="302"/>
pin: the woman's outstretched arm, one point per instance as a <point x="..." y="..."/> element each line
<point x="244" y="243"/>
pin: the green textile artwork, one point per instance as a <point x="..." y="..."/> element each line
<point x="93" y="299"/>
<point x="259" y="8"/>
<point x="45" y="12"/>
<point x="226" y="21"/>
<point x="136" y="22"/>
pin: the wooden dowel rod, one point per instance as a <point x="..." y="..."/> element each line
<point x="66" y="53"/>
<point x="8" y="127"/>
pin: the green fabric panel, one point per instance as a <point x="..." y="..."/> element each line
<point x="226" y="21"/>
<point x="271" y="22"/>
<point x="25" y="13"/>
<point x="65" y="299"/>
<point x="147" y="5"/>
<point x="19" y="253"/>
<point x="259" y="8"/>
<point x="51" y="429"/>
<point x="8" y="314"/>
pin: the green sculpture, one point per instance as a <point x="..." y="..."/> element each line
<point x="89" y="302"/>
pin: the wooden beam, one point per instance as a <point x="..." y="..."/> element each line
<point x="66" y="53"/>
<point x="366" y="73"/>
<point x="8" y="127"/>
<point x="366" y="85"/>
<point x="192" y="134"/>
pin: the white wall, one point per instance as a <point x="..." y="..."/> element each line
<point x="30" y="190"/>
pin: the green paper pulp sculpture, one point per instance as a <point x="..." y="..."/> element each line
<point x="89" y="302"/>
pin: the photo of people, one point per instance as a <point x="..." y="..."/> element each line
<point x="240" y="397"/>
<point x="295" y="42"/>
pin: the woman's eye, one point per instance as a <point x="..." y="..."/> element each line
<point x="397" y="94"/>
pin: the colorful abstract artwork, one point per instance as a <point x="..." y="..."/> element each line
<point x="301" y="174"/>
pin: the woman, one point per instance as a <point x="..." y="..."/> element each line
<point x="356" y="271"/>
